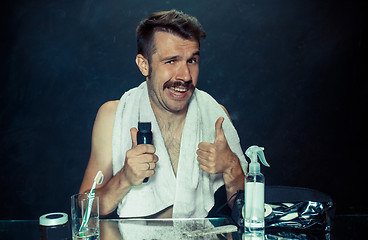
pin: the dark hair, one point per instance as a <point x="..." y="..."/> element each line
<point x="172" y="21"/>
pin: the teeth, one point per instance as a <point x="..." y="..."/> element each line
<point x="179" y="89"/>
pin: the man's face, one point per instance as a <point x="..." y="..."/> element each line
<point x="174" y="73"/>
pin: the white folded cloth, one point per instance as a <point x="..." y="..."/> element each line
<point x="191" y="191"/>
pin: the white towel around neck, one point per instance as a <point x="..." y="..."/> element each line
<point x="191" y="191"/>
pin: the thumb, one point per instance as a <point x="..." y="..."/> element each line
<point x="218" y="128"/>
<point x="133" y="134"/>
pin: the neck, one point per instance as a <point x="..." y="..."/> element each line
<point x="171" y="118"/>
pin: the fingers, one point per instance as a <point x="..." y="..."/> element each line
<point x="205" y="154"/>
<point x="206" y="147"/>
<point x="206" y="165"/>
<point x="137" y="168"/>
<point x="218" y="127"/>
<point x="207" y="169"/>
<point x="213" y="157"/>
<point x="140" y="156"/>
<point x="133" y="134"/>
<point x="146" y="169"/>
<point x="140" y="161"/>
<point x="144" y="149"/>
<point x="144" y="166"/>
<point x="206" y="162"/>
<point x="220" y="135"/>
<point x="206" y="157"/>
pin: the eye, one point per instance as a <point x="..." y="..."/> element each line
<point x="193" y="60"/>
<point x="170" y="62"/>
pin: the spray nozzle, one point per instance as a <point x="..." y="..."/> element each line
<point x="252" y="152"/>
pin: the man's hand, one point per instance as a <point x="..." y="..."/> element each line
<point x="140" y="161"/>
<point x="216" y="157"/>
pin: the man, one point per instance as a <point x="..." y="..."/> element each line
<point x="190" y="157"/>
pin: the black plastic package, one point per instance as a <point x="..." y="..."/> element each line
<point x="301" y="209"/>
<point x="302" y="215"/>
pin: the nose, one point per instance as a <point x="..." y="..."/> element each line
<point x="183" y="73"/>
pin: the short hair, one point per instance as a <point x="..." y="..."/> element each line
<point x="173" y="21"/>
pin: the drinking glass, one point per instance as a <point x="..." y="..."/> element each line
<point x="80" y="205"/>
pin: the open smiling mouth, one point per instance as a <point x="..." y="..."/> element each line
<point x="178" y="92"/>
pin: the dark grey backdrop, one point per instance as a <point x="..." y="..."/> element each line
<point x="291" y="74"/>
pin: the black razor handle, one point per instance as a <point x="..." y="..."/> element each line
<point x="144" y="136"/>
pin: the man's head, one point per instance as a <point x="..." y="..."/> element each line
<point x="168" y="54"/>
<point x="174" y="22"/>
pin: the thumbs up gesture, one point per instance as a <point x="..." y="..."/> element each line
<point x="216" y="157"/>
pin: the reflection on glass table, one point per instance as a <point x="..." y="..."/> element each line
<point x="345" y="227"/>
<point x="192" y="229"/>
<point x="163" y="229"/>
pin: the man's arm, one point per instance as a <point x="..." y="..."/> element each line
<point x="114" y="188"/>
<point x="234" y="177"/>
<point x="101" y="159"/>
<point x="217" y="157"/>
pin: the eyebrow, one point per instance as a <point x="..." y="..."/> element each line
<point x="178" y="57"/>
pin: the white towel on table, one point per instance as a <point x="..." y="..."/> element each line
<point x="192" y="190"/>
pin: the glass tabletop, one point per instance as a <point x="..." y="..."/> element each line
<point x="345" y="227"/>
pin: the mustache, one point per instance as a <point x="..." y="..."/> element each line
<point x="189" y="84"/>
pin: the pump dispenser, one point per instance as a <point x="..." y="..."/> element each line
<point x="254" y="191"/>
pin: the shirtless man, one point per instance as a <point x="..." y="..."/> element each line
<point x="169" y="63"/>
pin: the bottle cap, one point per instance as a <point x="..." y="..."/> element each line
<point x="144" y="127"/>
<point x="53" y="219"/>
<point x="253" y="152"/>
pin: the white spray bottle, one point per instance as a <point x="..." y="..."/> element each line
<point x="254" y="191"/>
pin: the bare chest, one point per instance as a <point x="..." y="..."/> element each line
<point x="172" y="139"/>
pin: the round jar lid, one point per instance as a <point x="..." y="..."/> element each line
<point x="53" y="219"/>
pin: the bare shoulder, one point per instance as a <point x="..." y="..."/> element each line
<point x="102" y="128"/>
<point x="106" y="112"/>
<point x="108" y="108"/>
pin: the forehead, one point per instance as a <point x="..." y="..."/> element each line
<point x="169" y="44"/>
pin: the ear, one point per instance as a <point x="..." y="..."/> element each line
<point x="142" y="64"/>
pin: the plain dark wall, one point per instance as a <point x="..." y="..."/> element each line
<point x="289" y="72"/>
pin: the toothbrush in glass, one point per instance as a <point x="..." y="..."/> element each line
<point x="97" y="181"/>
